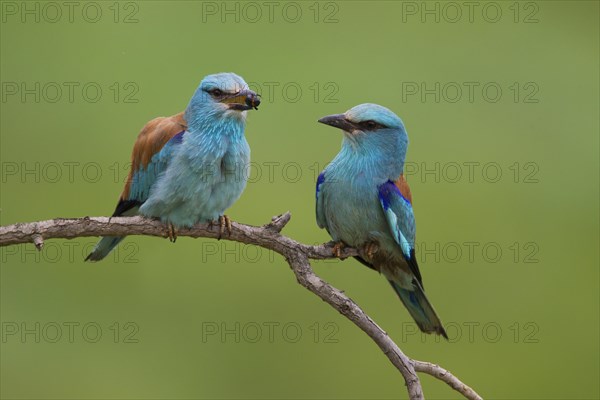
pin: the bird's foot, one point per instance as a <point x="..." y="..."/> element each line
<point x="337" y="249"/>
<point x="171" y="232"/>
<point x="224" y="224"/>
<point x="370" y="249"/>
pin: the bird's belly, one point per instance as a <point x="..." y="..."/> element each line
<point x="224" y="192"/>
<point x="192" y="193"/>
<point x="358" y="220"/>
<point x="355" y="219"/>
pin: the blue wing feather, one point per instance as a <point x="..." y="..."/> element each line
<point x="400" y="217"/>
<point x="401" y="220"/>
<point x="144" y="178"/>
<point x="321" y="220"/>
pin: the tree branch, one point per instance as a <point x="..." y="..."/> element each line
<point x="268" y="236"/>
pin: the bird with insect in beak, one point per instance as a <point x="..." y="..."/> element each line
<point x="190" y="167"/>
<point x="363" y="200"/>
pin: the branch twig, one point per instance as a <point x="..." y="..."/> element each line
<point x="267" y="236"/>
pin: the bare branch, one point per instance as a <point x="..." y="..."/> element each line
<point x="267" y="236"/>
<point x="445" y="375"/>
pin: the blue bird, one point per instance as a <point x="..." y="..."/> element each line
<point x="364" y="201"/>
<point x="192" y="166"/>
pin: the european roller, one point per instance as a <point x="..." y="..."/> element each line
<point x="364" y="201"/>
<point x="192" y="166"/>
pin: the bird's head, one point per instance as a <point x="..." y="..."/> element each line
<point x="370" y="125"/>
<point x="222" y="95"/>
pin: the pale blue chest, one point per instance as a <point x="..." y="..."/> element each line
<point x="204" y="177"/>
<point x="351" y="206"/>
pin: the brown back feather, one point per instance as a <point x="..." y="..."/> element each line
<point x="154" y="135"/>
<point x="402" y="184"/>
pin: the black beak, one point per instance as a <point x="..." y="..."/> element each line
<point x="243" y="100"/>
<point x="338" y="121"/>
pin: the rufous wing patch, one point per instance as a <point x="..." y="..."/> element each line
<point x="402" y="185"/>
<point x="152" y="138"/>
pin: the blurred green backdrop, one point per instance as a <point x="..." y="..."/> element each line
<point x="501" y="104"/>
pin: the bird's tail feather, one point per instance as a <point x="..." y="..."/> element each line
<point x="420" y="309"/>
<point x="103" y="247"/>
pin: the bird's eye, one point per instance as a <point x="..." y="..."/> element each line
<point x="370" y="124"/>
<point x="216" y="92"/>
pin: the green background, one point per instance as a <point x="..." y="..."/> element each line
<point x="533" y="312"/>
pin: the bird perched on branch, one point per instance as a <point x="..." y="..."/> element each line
<point x="192" y="166"/>
<point x="364" y="201"/>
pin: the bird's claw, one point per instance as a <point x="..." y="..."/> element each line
<point x="337" y="249"/>
<point x="224" y="224"/>
<point x="370" y="249"/>
<point x="171" y="232"/>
